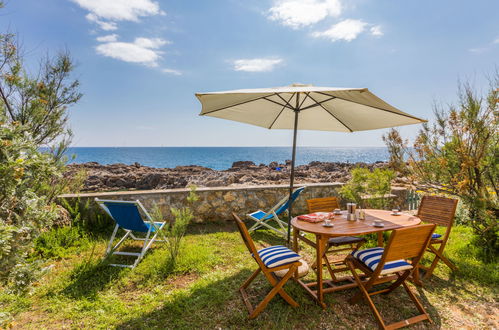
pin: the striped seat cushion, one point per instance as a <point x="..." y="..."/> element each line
<point x="371" y="258"/>
<point x="435" y="236"/>
<point x="275" y="256"/>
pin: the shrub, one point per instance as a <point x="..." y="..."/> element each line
<point x="61" y="242"/>
<point x="369" y="188"/>
<point x="175" y="230"/>
<point x="457" y="155"/>
<point x="33" y="114"/>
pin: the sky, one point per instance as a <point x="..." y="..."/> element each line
<point x="141" y="61"/>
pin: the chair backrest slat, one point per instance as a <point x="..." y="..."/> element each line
<point x="125" y="213"/>
<point x="325" y="204"/>
<point x="408" y="243"/>
<point x="247" y="238"/>
<point x="285" y="201"/>
<point x="437" y="210"/>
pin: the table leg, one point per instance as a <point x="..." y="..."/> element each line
<point x="319" y="250"/>
<point x="380" y="239"/>
<point x="296" y="232"/>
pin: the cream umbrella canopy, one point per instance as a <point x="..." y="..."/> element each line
<point x="305" y="107"/>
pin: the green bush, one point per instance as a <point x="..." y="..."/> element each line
<point x="369" y="188"/>
<point x="175" y="230"/>
<point x="61" y="242"/>
<point x="457" y="155"/>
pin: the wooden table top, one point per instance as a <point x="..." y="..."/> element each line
<point x="344" y="227"/>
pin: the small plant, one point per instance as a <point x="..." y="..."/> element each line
<point x="369" y="188"/>
<point x="175" y="229"/>
<point x="61" y="242"/>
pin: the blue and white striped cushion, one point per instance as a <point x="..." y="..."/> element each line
<point x="435" y="236"/>
<point x="278" y="255"/>
<point x="371" y="258"/>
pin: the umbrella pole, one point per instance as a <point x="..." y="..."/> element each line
<point x="292" y="179"/>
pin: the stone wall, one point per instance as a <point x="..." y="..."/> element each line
<point x="217" y="203"/>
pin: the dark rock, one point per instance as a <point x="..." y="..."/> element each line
<point x="243" y="164"/>
<point x="122" y="176"/>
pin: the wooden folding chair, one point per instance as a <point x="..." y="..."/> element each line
<point x="396" y="262"/>
<point x="269" y="260"/>
<point x="440" y="211"/>
<point x="335" y="244"/>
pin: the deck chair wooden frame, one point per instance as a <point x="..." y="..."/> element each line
<point x="280" y="208"/>
<point x="440" y="211"/>
<point x="154" y="228"/>
<point x="406" y="244"/>
<point x="275" y="281"/>
<point x="335" y="244"/>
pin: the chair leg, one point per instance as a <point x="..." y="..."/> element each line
<point x="364" y="293"/>
<point x="438" y="256"/>
<point x="398" y="282"/>
<point x="110" y="244"/>
<point x="281" y="292"/>
<point x="416" y="301"/>
<point x="251" y="278"/>
<point x="276" y="289"/>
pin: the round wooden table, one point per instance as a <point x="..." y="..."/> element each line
<point x="344" y="227"/>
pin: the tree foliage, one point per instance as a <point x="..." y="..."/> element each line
<point x="33" y="113"/>
<point x="37" y="102"/>
<point x="458" y="155"/>
<point x="369" y="189"/>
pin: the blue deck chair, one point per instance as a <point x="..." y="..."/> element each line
<point x="262" y="218"/>
<point x="129" y="215"/>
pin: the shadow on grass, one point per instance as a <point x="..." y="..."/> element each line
<point x="202" y="306"/>
<point x="218" y="304"/>
<point x="90" y="277"/>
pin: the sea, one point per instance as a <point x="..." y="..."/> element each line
<point x="221" y="158"/>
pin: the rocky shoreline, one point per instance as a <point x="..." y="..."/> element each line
<point x="138" y="177"/>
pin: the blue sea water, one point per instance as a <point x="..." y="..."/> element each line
<point x="221" y="158"/>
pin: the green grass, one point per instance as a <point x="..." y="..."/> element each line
<point x="82" y="291"/>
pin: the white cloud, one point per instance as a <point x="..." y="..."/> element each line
<point x="107" y="12"/>
<point x="106" y="26"/>
<point x="496" y="41"/>
<point x="256" y="64"/>
<point x="376" y="31"/>
<point x="478" y="50"/>
<point x="108" y="38"/>
<point x="153" y="43"/>
<point x="141" y="50"/>
<point x="301" y="13"/>
<point x="346" y="30"/>
<point x="171" y="71"/>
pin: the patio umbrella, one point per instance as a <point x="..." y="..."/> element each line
<point x="305" y="107"/>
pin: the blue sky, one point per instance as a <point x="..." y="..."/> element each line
<point x="141" y="61"/>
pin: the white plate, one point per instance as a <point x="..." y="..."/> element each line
<point x="378" y="225"/>
<point x="324" y="225"/>
<point x="395" y="213"/>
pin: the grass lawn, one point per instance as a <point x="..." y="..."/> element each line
<point x="80" y="291"/>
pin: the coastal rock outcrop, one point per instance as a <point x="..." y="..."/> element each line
<point x="138" y="177"/>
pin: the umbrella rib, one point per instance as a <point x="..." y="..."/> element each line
<point x="287" y="102"/>
<point x="303" y="101"/>
<point x="318" y="103"/>
<point x="394" y="112"/>
<point x="234" y="105"/>
<point x="284" y="107"/>
<point x="342" y="123"/>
